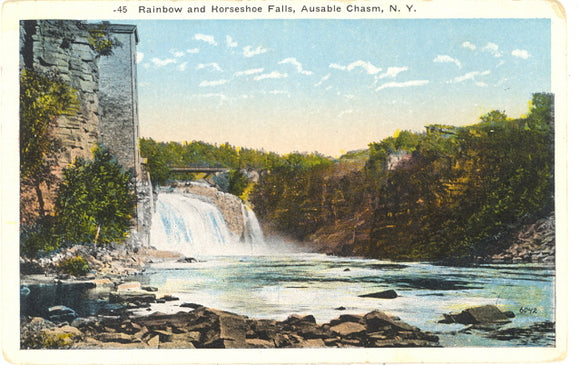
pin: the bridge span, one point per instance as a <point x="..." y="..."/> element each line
<point x="207" y="170"/>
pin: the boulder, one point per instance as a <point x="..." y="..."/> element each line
<point x="131" y="296"/>
<point x="310" y="343"/>
<point x="61" y="313"/>
<point x="347" y="328"/>
<point x="187" y="260"/>
<point x="380" y="321"/>
<point x="228" y="330"/>
<point x="265" y="329"/>
<point x="60" y="337"/>
<point x="115" y="337"/>
<point x="129" y="286"/>
<point x="259" y="343"/>
<point x="387" y="294"/>
<point x="190" y="305"/>
<point x="295" y="318"/>
<point x="169" y="298"/>
<point x="478" y="315"/>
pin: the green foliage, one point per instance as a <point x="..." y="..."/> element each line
<point x="161" y="156"/>
<point x="43" y="97"/>
<point x="38" y="238"/>
<point x="75" y="266"/>
<point x="238" y="183"/>
<point x="101" y="40"/>
<point x="291" y="196"/>
<point x="157" y="161"/>
<point x="95" y="201"/>
<point x="48" y="339"/>
<point x="446" y="192"/>
<point x="466" y="188"/>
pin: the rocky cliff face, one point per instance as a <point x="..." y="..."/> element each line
<point x="63" y="48"/>
<point x="532" y="243"/>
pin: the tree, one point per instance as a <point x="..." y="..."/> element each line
<point x="157" y="163"/>
<point x="42" y="99"/>
<point x="95" y="202"/>
<point x="238" y="183"/>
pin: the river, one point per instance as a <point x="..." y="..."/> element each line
<point x="263" y="278"/>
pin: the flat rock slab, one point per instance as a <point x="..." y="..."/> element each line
<point x="387" y="294"/>
<point x="347" y="328"/>
<point x="478" y="315"/>
<point x="132" y="296"/>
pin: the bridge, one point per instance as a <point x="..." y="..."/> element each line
<point x="207" y="170"/>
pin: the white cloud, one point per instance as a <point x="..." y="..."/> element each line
<point x="176" y="53"/>
<point x="447" y="59"/>
<point x="292" y="61"/>
<point x="337" y="66"/>
<point x="160" y="63"/>
<point x="481" y="84"/>
<point x="252" y="71"/>
<point x="230" y="42"/>
<point x="403" y="84"/>
<point x="367" y="66"/>
<point x="213" y="83"/>
<point x="392" y="72"/>
<point x="192" y="50"/>
<point x="205" y="38"/>
<point x="271" y="75"/>
<point x="213" y="66"/>
<point x="493" y="49"/>
<point x="521" y="53"/>
<point x="139" y="57"/>
<point x="323" y="79"/>
<point x="469" y="76"/>
<point x="182" y="66"/>
<point x="249" y="52"/>
<point x="468" y="45"/>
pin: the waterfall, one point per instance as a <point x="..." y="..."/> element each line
<point x="253" y="229"/>
<point x="194" y="226"/>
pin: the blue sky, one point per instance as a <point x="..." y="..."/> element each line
<point x="332" y="85"/>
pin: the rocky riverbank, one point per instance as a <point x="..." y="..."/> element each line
<point x="203" y="327"/>
<point x="533" y="243"/>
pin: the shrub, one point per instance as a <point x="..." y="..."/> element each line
<point x="75" y="266"/>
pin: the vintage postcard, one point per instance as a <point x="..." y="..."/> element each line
<point x="285" y="181"/>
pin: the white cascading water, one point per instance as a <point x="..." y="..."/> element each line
<point x="256" y="236"/>
<point x="194" y="227"/>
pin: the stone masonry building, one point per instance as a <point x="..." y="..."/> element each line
<point x="106" y="87"/>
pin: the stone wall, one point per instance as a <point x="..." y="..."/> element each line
<point x="63" y="48"/>
<point x="119" y="123"/>
<point x="106" y="87"/>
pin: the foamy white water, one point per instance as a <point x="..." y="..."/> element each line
<point x="195" y="227"/>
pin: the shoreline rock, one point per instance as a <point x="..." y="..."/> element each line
<point x="485" y="314"/>
<point x="205" y="327"/>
